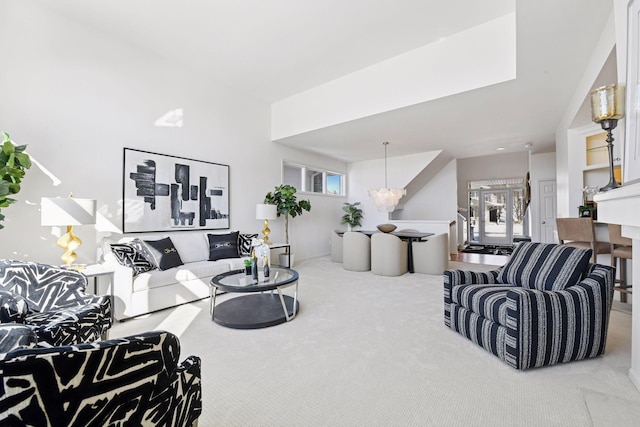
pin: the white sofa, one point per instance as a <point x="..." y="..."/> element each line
<point x="155" y="289"/>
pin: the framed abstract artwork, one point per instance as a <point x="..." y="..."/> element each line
<point x="169" y="193"/>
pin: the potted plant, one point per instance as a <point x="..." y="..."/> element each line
<point x="13" y="162"/>
<point x="352" y="216"/>
<point x="247" y="266"/>
<point x="287" y="204"/>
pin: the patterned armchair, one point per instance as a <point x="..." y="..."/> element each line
<point x="135" y="381"/>
<point x="52" y="300"/>
<point x="547" y="305"/>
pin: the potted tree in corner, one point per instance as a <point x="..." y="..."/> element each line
<point x="352" y="216"/>
<point x="287" y="204"/>
<point x="13" y="162"/>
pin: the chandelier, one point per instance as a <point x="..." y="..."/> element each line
<point x="386" y="199"/>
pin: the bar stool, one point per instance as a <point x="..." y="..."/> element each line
<point x="580" y="233"/>
<point x="621" y="249"/>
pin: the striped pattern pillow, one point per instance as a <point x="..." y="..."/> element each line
<point x="545" y="267"/>
<point x="244" y="243"/>
<point x="130" y="256"/>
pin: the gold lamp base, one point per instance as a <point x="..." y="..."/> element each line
<point x="266" y="232"/>
<point x="69" y="242"/>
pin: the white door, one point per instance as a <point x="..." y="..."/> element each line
<point x="547" y="202"/>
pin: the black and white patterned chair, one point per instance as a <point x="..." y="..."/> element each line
<point x="547" y="305"/>
<point x="52" y="300"/>
<point x="134" y="381"/>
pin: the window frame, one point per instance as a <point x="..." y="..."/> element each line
<point x="304" y="175"/>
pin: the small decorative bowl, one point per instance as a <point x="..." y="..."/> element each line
<point x="386" y="228"/>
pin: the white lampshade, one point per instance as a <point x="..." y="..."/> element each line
<point x="266" y="211"/>
<point x="67" y="211"/>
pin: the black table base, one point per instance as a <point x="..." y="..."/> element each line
<point x="253" y="311"/>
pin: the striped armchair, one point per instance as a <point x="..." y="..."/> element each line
<point x="547" y="305"/>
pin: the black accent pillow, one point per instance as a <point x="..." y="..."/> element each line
<point x="126" y="254"/>
<point x="244" y="243"/>
<point x="164" y="253"/>
<point x="223" y="246"/>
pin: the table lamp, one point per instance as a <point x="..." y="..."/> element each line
<point x="68" y="212"/>
<point x="607" y="107"/>
<point x="266" y="212"/>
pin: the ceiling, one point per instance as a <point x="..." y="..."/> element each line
<point x="274" y="49"/>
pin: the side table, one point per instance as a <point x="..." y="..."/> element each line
<point x="98" y="270"/>
<point x="285" y="246"/>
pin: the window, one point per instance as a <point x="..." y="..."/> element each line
<point x="292" y="175"/>
<point x="309" y="179"/>
<point x="313" y="181"/>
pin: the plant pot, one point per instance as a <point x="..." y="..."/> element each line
<point x="284" y="260"/>
<point x="247" y="270"/>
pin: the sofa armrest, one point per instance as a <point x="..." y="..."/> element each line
<point x="14" y="336"/>
<point x="73" y="325"/>
<point x="188" y="390"/>
<point x="13" y="307"/>
<point x="547" y="327"/>
<point x="462" y="277"/>
<point x="122" y="286"/>
<point x="137" y="375"/>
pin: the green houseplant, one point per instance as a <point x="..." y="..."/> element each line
<point x="287" y="204"/>
<point x="352" y="216"/>
<point x="13" y="163"/>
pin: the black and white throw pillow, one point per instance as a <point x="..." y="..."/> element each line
<point x="223" y="246"/>
<point x="244" y="243"/>
<point x="164" y="253"/>
<point x="126" y="254"/>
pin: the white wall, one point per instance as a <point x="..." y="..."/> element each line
<point x="436" y="200"/>
<point x="542" y="167"/>
<point x="77" y="98"/>
<point x="475" y="58"/>
<point x="369" y="174"/>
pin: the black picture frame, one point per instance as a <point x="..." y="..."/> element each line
<point x="161" y="192"/>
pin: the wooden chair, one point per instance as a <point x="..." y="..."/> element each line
<point x="621" y="249"/>
<point x="580" y="233"/>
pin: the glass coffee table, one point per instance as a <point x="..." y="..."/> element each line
<point x="263" y="307"/>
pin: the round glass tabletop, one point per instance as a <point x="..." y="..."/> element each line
<point x="239" y="281"/>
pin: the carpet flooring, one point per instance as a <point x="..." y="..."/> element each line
<point x="367" y="350"/>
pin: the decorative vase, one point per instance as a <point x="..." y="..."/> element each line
<point x="254" y="269"/>
<point x="266" y="267"/>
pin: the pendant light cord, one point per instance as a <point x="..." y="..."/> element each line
<point x="385" y="164"/>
